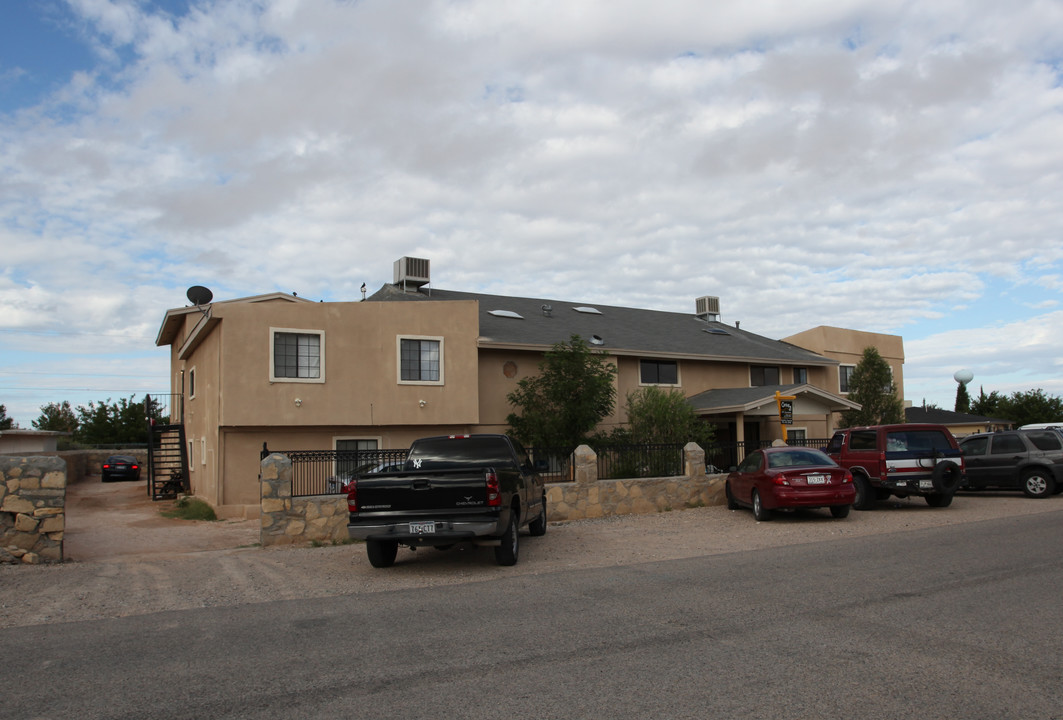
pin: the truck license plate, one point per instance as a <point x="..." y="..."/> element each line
<point x="817" y="479"/>
<point x="423" y="528"/>
<point x="926" y="484"/>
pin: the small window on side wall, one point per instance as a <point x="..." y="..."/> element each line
<point x="800" y="375"/>
<point x="845" y="375"/>
<point x="658" y="372"/>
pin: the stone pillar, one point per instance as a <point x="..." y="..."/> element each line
<point x="276" y="473"/>
<point x="586" y="465"/>
<point x="693" y="461"/>
<point x="32" y="509"/>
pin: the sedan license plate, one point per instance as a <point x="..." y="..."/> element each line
<point x="816" y="479"/>
<point x="926" y="484"/>
<point x="423" y="528"/>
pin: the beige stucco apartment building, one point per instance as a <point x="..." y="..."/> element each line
<point x="412" y="360"/>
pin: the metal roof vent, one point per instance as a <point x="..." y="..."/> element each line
<point x="411" y="272"/>
<point x="707" y="308"/>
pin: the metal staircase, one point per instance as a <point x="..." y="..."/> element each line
<point x="167" y="453"/>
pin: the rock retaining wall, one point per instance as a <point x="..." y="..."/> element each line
<point x="32" y="509"/>
<point x="323" y="518"/>
<point x="287" y="520"/>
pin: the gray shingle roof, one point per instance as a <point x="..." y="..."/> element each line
<point x="625" y="331"/>
<point x="918" y="414"/>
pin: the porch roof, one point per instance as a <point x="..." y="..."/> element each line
<point x="761" y="400"/>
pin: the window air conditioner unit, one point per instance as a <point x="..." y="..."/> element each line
<point x="412" y="272"/>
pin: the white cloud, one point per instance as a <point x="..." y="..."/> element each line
<point x="882" y="166"/>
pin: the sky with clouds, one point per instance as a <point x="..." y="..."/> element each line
<point x="889" y="166"/>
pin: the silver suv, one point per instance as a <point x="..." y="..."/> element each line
<point x="1027" y="460"/>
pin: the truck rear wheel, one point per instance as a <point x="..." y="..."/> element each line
<point x="537" y="527"/>
<point x="381" y="552"/>
<point x="507" y="552"/>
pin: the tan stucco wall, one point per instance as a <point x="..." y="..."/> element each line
<point x="847" y="347"/>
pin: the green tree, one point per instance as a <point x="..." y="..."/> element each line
<point x="963" y="399"/>
<point x="110" y="423"/>
<point x="572" y="393"/>
<point x="5" y="421"/>
<point x="986" y="405"/>
<point x="57" y="417"/>
<point x="871" y="385"/>
<point x="1031" y="406"/>
<point x="656" y="415"/>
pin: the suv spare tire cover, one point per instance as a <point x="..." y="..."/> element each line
<point x="946" y="477"/>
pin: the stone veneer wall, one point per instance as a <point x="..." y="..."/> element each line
<point x="589" y="497"/>
<point x="287" y="520"/>
<point x="323" y="518"/>
<point x="32" y="509"/>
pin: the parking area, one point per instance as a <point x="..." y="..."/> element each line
<point x="107" y="521"/>
<point x="124" y="559"/>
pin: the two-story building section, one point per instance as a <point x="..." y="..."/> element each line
<point x="412" y="360"/>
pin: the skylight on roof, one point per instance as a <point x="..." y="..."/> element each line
<point x="588" y="310"/>
<point x="715" y="331"/>
<point x="505" y="313"/>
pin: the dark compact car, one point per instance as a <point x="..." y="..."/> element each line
<point x="120" y="467"/>
<point x="788" y="478"/>
<point x="1027" y="460"/>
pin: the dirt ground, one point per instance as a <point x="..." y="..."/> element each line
<point x="123" y="558"/>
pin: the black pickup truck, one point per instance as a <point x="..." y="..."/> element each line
<point x="451" y="489"/>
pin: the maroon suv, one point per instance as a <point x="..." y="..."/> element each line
<point x="901" y="460"/>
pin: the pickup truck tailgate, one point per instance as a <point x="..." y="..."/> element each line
<point x="417" y="491"/>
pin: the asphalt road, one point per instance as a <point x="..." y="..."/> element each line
<point x="958" y="621"/>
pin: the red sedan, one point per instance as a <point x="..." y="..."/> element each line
<point x="790" y="477"/>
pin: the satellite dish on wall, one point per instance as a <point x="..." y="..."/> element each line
<point x="199" y="295"/>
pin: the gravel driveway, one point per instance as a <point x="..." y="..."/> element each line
<point x="124" y="559"/>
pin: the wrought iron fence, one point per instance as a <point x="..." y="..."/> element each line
<point x="325" y="472"/>
<point x="720" y="457"/>
<point x="559" y="463"/>
<point x="638" y="461"/>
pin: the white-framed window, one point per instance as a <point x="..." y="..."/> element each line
<point x="658" y="372"/>
<point x="202" y="451"/>
<point x="191" y="456"/>
<point x="796" y="434"/>
<point x="845" y="374"/>
<point x="420" y="360"/>
<point x="296" y="355"/>
<point x="191" y="383"/>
